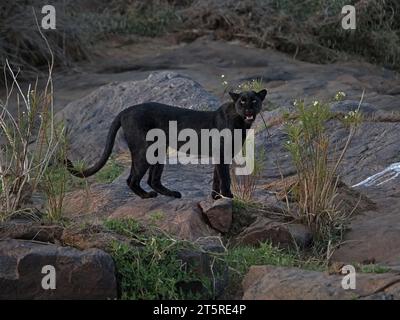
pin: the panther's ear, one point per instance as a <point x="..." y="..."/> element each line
<point x="234" y="96"/>
<point x="261" y="94"/>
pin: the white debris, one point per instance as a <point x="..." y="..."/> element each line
<point x="390" y="173"/>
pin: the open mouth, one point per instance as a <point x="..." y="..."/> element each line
<point x="249" y="117"/>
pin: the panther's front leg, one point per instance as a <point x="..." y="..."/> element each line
<point x="223" y="173"/>
<point x="216" y="185"/>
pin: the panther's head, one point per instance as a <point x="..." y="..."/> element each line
<point x="248" y="104"/>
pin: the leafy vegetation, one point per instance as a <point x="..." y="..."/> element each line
<point x="374" y="268"/>
<point x="151" y="268"/>
<point x="317" y="180"/>
<point x="55" y="178"/>
<point x="241" y="258"/>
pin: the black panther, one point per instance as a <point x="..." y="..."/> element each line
<point x="137" y="120"/>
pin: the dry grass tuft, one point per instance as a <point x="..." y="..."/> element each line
<point x="315" y="188"/>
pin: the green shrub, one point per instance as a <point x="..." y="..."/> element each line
<point x="316" y="166"/>
<point x="55" y="179"/>
<point x="151" y="267"/>
<point x="241" y="258"/>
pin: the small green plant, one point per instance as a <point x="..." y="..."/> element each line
<point x="156" y="216"/>
<point x="374" y="268"/>
<point x="55" y="179"/>
<point x="310" y="149"/>
<point x="252" y="85"/>
<point x="110" y="172"/>
<point x="249" y="85"/>
<point x="238" y="204"/>
<point x="126" y="227"/>
<point x="339" y="96"/>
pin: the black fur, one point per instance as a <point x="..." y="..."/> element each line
<point x="137" y="120"/>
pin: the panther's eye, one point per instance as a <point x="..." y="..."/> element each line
<point x="242" y="101"/>
<point x="254" y="101"/>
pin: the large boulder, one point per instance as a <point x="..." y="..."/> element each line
<point x="180" y="218"/>
<point x="218" y="213"/>
<point x="279" y="283"/>
<point x="88" y="274"/>
<point x="284" y="235"/>
<point x="88" y="119"/>
<point x="374" y="235"/>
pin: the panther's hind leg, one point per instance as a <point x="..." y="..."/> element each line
<point x="154" y="181"/>
<point x="138" y="170"/>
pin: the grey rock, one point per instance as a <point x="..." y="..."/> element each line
<point x="88" y="274"/>
<point x="352" y="105"/>
<point x="179" y="217"/>
<point x="218" y="213"/>
<point x="286" y="235"/>
<point x="280" y="283"/>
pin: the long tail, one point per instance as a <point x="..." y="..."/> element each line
<point x="115" y="125"/>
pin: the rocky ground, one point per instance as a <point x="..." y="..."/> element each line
<point x="189" y="75"/>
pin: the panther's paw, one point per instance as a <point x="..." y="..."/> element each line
<point x="227" y="195"/>
<point x="149" y="195"/>
<point x="215" y="195"/>
<point x="176" y="194"/>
